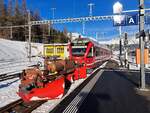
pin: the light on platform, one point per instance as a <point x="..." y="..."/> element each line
<point x="117" y="8"/>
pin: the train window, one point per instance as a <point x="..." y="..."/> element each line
<point x="78" y="50"/>
<point x="60" y="50"/>
<point x="94" y="51"/>
<point x="101" y="52"/>
<point x="97" y="53"/>
<point x="90" y="54"/>
<point x="49" y="50"/>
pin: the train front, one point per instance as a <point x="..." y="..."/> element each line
<point x="82" y="52"/>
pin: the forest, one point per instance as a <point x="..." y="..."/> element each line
<point x="15" y="14"/>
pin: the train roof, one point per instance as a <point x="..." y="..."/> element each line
<point x="57" y="44"/>
<point x="86" y="40"/>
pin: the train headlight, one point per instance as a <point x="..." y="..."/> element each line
<point x="76" y="61"/>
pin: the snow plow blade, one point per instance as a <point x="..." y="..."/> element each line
<point x="51" y="90"/>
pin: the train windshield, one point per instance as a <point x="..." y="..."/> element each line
<point x="78" y="50"/>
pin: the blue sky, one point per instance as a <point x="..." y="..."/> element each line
<point x="79" y="8"/>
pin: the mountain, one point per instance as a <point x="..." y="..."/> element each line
<point x="131" y="40"/>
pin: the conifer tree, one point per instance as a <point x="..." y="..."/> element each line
<point x="3" y="13"/>
<point x="9" y="8"/>
<point x="24" y="11"/>
<point x="9" y="13"/>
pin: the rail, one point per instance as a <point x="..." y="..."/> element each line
<point x="14" y="67"/>
<point x="20" y="106"/>
<point x="5" y="77"/>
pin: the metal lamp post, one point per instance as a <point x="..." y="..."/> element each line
<point x="117" y="9"/>
<point x="141" y="30"/>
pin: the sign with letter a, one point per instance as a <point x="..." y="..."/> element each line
<point x="131" y="20"/>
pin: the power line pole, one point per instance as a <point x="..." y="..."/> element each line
<point x="83" y="27"/>
<point x="126" y="49"/>
<point x="49" y="29"/>
<point x="120" y="33"/>
<point x="29" y="25"/>
<point x="97" y="36"/>
<point x="11" y="33"/>
<point x="91" y="9"/>
<point x="141" y="28"/>
<point x="53" y="12"/>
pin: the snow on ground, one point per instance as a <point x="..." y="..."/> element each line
<point x="8" y="91"/>
<point x="14" y="55"/>
<point x="14" y="50"/>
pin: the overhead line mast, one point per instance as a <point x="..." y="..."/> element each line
<point x="91" y="9"/>
<point x="53" y="12"/>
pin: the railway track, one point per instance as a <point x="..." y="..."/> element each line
<point x="20" y="106"/>
<point x="5" y="77"/>
<point x="11" y="74"/>
<point x="112" y="64"/>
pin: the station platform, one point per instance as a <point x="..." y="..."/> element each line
<point x="109" y="91"/>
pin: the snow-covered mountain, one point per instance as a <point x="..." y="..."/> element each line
<point x="131" y="40"/>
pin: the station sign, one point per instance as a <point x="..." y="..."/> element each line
<point x="129" y="19"/>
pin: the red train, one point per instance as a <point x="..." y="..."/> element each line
<point x="57" y="76"/>
<point x="88" y="52"/>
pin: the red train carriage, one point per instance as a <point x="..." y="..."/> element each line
<point x="87" y="52"/>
